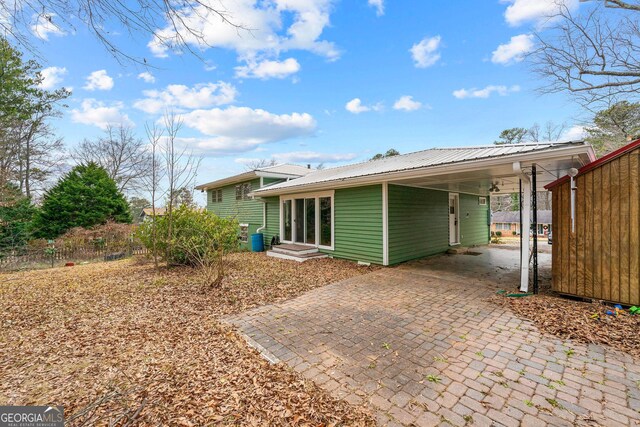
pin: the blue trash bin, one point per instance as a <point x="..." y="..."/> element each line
<point x="257" y="242"/>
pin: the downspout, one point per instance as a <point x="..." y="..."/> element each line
<point x="525" y="223"/>
<point x="264" y="216"/>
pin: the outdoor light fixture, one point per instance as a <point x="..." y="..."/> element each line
<point x="573" y="172"/>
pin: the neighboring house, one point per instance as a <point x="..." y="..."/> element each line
<point x="147" y="213"/>
<point x="509" y="222"/>
<point x="232" y="197"/>
<point x="399" y="208"/>
<point x="596" y="236"/>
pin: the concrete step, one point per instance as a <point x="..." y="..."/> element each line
<point x="294" y="250"/>
<point x="297" y="257"/>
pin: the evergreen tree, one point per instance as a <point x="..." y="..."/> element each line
<point x="84" y="197"/>
<point x="16" y="214"/>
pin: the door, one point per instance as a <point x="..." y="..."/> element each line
<point x="299" y="220"/>
<point x="454" y="219"/>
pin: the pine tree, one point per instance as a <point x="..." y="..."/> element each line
<point x="84" y="197"/>
<point x="16" y="214"/>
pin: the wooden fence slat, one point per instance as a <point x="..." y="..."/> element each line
<point x="615" y="227"/>
<point x="634" y="228"/>
<point x="625" y="193"/>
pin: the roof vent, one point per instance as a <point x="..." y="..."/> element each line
<point x="308" y="165"/>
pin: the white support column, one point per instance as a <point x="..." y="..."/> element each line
<point x="526" y="226"/>
<point x="385" y="223"/>
<point x="526" y="234"/>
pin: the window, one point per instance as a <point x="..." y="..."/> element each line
<point x="503" y="226"/>
<point x="216" y="196"/>
<point x="325" y="221"/>
<point x="243" y="190"/>
<point x="244" y="233"/>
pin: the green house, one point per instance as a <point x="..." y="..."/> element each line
<point x="391" y="210"/>
<point x="233" y="196"/>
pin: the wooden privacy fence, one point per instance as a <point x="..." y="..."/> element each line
<point x="600" y="257"/>
<point x="62" y="255"/>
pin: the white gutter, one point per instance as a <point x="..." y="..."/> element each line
<point x="426" y="171"/>
<point x="526" y="226"/>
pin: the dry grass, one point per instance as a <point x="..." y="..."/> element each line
<point x="121" y="342"/>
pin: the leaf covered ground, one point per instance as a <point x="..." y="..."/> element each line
<point x="579" y="321"/>
<point x="121" y="343"/>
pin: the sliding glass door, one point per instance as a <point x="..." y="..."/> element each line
<point x="308" y="220"/>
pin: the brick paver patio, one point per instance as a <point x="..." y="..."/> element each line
<point x="422" y="346"/>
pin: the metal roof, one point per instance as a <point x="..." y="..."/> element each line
<point x="418" y="160"/>
<point x="285" y="170"/>
<point x="513" y="217"/>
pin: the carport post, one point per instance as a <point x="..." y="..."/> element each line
<point x="525" y="211"/>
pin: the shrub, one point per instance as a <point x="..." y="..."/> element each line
<point x="514" y="232"/>
<point x="198" y="238"/>
<point x="499" y="233"/>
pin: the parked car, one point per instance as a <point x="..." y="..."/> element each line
<point x="549" y="239"/>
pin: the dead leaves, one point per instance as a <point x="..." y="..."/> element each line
<point x="576" y="321"/>
<point x="121" y="344"/>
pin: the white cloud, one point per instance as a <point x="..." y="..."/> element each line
<point x="240" y="129"/>
<point x="520" y="11"/>
<point x="52" y="77"/>
<point x="379" y="5"/>
<point x="355" y="106"/>
<point x="268" y="69"/>
<point x="486" y="92"/>
<point x="302" y="157"/>
<point x="99" y="80"/>
<point x="147" y="77"/>
<point x="574" y="133"/>
<point x="98" y="114"/>
<point x="276" y="26"/>
<point x="425" y="54"/>
<point x="514" y="51"/>
<point x="180" y="96"/>
<point x="407" y="103"/>
<point x="312" y="157"/>
<point x="44" y="26"/>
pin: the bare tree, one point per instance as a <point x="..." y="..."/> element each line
<point x="550" y="132"/>
<point x="594" y="55"/>
<point x="259" y="164"/>
<point x="121" y="153"/>
<point x="181" y="169"/>
<point x="152" y="181"/>
<point x="104" y="18"/>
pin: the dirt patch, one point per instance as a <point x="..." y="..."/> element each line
<point x="579" y="321"/>
<point x="121" y="343"/>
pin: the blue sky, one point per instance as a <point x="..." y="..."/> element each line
<point x="331" y="81"/>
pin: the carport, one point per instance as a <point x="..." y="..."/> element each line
<point x="524" y="174"/>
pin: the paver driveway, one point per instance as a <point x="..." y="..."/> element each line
<point x="421" y="345"/>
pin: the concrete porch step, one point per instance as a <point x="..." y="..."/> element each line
<point x="298" y="257"/>
<point x="294" y="250"/>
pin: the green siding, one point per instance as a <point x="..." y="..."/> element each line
<point x="418" y="223"/>
<point x="245" y="211"/>
<point x="273" y="219"/>
<point x="474" y="221"/>
<point x="358" y="224"/>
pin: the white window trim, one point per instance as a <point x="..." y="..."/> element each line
<point x="316" y="196"/>
<point x="244" y="225"/>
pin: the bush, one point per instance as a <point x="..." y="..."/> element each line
<point x="514" y="233"/>
<point x="198" y="238"/>
<point x="499" y="233"/>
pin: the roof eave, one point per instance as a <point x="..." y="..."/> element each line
<point x="427" y="171"/>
